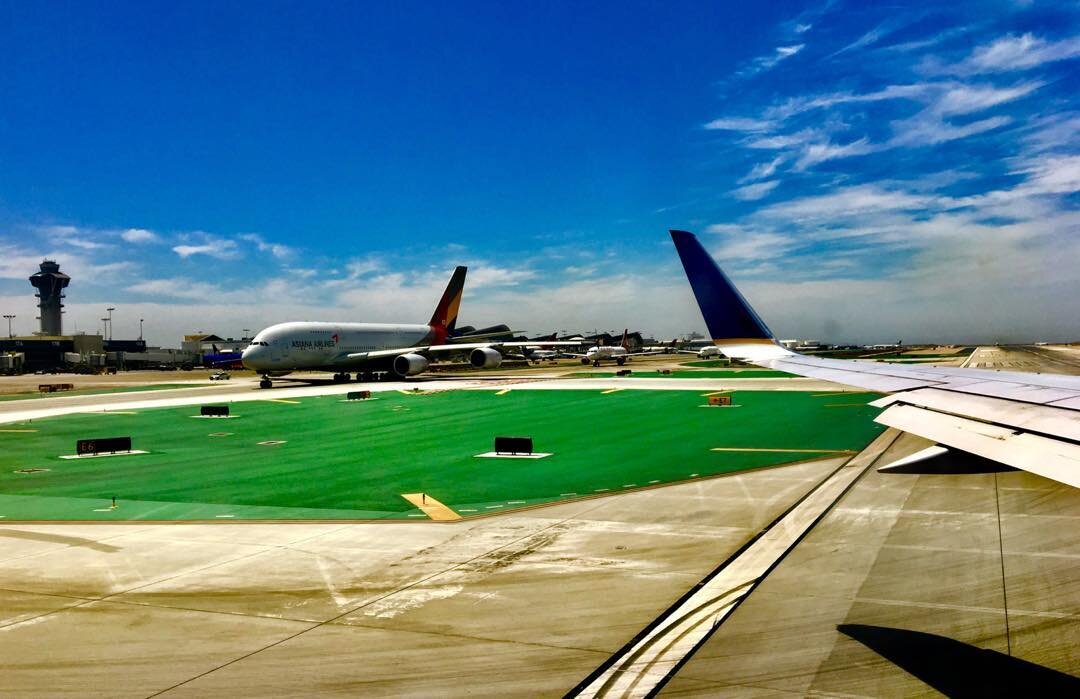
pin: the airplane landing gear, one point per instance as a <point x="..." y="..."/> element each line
<point x="265" y="383"/>
<point x="341" y="378"/>
<point x="620" y="360"/>
<point x="596" y="364"/>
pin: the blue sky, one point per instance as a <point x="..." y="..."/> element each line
<point x="866" y="172"/>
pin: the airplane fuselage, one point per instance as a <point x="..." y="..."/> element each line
<point x="596" y="354"/>
<point x="314" y="345"/>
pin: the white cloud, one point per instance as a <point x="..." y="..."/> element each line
<point x="966" y="99"/>
<point x="484" y="275"/>
<point x="782" y="141"/>
<point x="192" y="290"/>
<point x="846" y="202"/>
<point x="926" y="129"/>
<point x="277" y="250"/>
<point x="1022" y="52"/>
<point x="139" y="235"/>
<point x="753" y="192"/>
<point x="768" y="61"/>
<point x="742" y="244"/>
<point x="815" y="153"/>
<point x="739" y="124"/>
<point x="209" y="245"/>
<point x="763" y="170"/>
<point x="84" y="244"/>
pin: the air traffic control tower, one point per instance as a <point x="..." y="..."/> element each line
<point x="50" y="283"/>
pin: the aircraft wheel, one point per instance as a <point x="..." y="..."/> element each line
<point x="596" y="365"/>
<point x="265" y="383"/>
<point x="620" y="360"/>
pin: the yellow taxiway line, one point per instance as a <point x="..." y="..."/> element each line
<point x="282" y="400"/>
<point x="15" y="431"/>
<point x="502" y="392"/>
<point x="611" y="390"/>
<point x="432" y="507"/>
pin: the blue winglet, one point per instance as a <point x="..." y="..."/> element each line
<point x="727" y="314"/>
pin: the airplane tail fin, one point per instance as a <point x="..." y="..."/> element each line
<point x="446" y="313"/>
<point x="730" y="319"/>
<point x="623" y="342"/>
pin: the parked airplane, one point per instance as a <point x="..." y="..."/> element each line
<point x="601" y="352"/>
<point x="707" y="352"/>
<point x="406" y="350"/>
<point x="1027" y="421"/>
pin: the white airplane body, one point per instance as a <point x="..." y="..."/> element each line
<point x="1022" y="420"/>
<point x="707" y="352"/>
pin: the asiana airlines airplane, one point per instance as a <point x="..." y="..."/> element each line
<point x="404" y="349"/>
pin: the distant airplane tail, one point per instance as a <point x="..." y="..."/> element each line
<point x="623" y="342"/>
<point x="445" y="316"/>
<point x="733" y="324"/>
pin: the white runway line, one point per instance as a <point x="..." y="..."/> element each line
<point x="641" y="668"/>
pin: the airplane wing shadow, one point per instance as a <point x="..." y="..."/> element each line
<point x="960" y="670"/>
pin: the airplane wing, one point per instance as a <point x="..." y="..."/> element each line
<point x="1027" y="421"/>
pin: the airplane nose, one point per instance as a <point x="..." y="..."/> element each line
<point x="250" y="356"/>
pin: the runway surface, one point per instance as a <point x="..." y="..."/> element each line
<point x="537" y="601"/>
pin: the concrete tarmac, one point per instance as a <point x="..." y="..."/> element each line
<point x="531" y="603"/>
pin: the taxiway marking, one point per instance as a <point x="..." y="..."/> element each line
<point x="611" y="390"/>
<point x="282" y="400"/>
<point x="502" y="392"/>
<point x="16" y="431"/>
<point x="434" y="509"/>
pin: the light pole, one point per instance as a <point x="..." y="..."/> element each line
<point x="105" y="324"/>
<point x="140" y="328"/>
<point x="9" y="317"/>
<point x="110" y="309"/>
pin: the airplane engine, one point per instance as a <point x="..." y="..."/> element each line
<point x="410" y="364"/>
<point x="485" y="358"/>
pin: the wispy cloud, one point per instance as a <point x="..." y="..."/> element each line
<point x="753" y="192"/>
<point x="739" y="124"/>
<point x="763" y="170"/>
<point x="770" y="60"/>
<point x="1012" y="53"/>
<point x="276" y="249"/>
<point x="209" y="245"/>
<point x="816" y="153"/>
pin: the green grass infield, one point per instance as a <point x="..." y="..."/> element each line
<point x="353" y="460"/>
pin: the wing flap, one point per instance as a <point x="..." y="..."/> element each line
<point x="1044" y="456"/>
<point x="1043" y="419"/>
